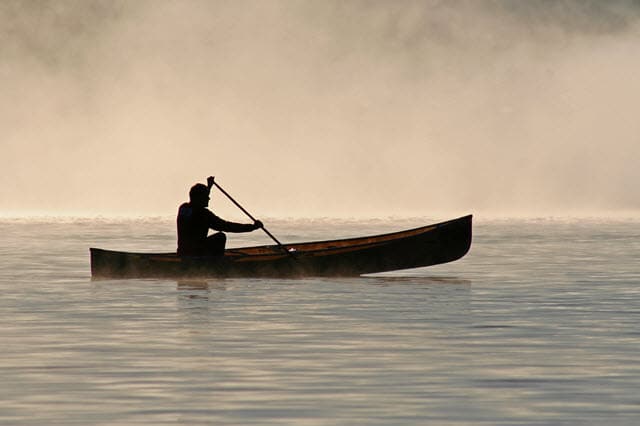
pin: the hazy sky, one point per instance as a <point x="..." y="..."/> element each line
<point x="321" y="108"/>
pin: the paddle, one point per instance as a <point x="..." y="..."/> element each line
<point x="211" y="181"/>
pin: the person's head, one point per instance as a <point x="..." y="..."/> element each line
<point x="199" y="195"/>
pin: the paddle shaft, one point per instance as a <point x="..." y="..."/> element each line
<point x="249" y="214"/>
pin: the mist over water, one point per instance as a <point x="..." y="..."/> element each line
<point x="359" y="108"/>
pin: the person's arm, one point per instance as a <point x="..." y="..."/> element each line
<point x="218" y="224"/>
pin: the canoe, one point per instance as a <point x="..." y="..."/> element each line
<point x="413" y="248"/>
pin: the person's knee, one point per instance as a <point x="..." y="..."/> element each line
<point x="216" y="244"/>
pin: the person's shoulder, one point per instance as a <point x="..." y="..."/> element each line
<point x="185" y="210"/>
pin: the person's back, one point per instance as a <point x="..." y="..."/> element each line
<point x="192" y="230"/>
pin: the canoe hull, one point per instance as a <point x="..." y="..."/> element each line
<point x="425" y="246"/>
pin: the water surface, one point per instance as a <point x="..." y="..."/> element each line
<point x="537" y="325"/>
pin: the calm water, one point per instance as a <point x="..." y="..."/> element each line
<point x="538" y="325"/>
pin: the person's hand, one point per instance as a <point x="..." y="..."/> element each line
<point x="258" y="224"/>
<point x="210" y="181"/>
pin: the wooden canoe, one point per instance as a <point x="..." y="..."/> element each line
<point x="424" y="246"/>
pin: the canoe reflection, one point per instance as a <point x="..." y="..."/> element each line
<point x="200" y="285"/>
<point x="416" y="280"/>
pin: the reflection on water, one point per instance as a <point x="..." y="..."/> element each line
<point x="198" y="285"/>
<point x="527" y="329"/>
<point x="417" y="280"/>
<point x="414" y="280"/>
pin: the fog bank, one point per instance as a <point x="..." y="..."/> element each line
<point x="332" y="108"/>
